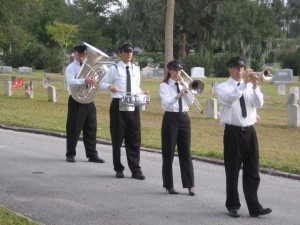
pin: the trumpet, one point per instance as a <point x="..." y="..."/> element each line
<point x="266" y="74"/>
<point x="195" y="87"/>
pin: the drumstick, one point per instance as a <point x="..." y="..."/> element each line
<point x="127" y="92"/>
<point x="124" y="92"/>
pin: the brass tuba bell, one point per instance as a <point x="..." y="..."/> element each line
<point x="91" y="67"/>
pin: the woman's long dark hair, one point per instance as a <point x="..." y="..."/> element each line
<point x="165" y="80"/>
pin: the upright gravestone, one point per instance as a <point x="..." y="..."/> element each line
<point x="25" y="69"/>
<point x="66" y="86"/>
<point x="198" y="72"/>
<point x="281" y="89"/>
<point x="12" y="78"/>
<point x="7" y="88"/>
<point x="5" y="69"/>
<point x="295" y="90"/>
<point x="51" y="94"/>
<point x="213" y="89"/>
<point x="283" y="76"/>
<point x="46" y="80"/>
<point x="28" y="90"/>
<point x="158" y="72"/>
<point x="212" y="108"/>
<point x="293" y="111"/>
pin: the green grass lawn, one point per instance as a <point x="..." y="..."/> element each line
<point x="8" y="217"/>
<point x="279" y="145"/>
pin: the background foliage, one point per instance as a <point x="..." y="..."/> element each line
<point x="259" y="30"/>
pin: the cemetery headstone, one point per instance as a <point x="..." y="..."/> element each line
<point x="281" y="88"/>
<point x="292" y="99"/>
<point x="5" y="69"/>
<point x="198" y="72"/>
<point x="212" y="108"/>
<point x="7" y="88"/>
<point x="51" y="93"/>
<point x="293" y="115"/>
<point x="29" y="90"/>
<point x="46" y="80"/>
<point x="295" y="90"/>
<point x="158" y="72"/>
<point x="283" y="76"/>
<point x="24" y="69"/>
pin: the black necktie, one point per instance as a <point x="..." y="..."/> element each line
<point x="128" y="81"/>
<point x="80" y="63"/>
<point x="179" y="100"/>
<point x="243" y="105"/>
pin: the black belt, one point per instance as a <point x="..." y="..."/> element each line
<point x="238" y="127"/>
<point x="176" y="112"/>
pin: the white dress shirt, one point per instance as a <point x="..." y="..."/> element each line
<point x="168" y="92"/>
<point x="117" y="76"/>
<point x="71" y="74"/>
<point x="229" y="94"/>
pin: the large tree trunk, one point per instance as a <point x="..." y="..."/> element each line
<point x="169" y="32"/>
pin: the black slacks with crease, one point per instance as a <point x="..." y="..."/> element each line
<point x="176" y="129"/>
<point x="125" y="125"/>
<point x="81" y="117"/>
<point x="241" y="147"/>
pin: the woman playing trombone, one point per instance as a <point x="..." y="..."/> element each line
<point x="176" y="128"/>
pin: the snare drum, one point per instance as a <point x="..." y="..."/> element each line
<point x="139" y="100"/>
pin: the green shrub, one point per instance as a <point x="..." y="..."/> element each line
<point x="198" y="60"/>
<point x="219" y="63"/>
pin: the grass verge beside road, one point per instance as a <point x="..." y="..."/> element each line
<point x="8" y="217"/>
<point x="279" y="145"/>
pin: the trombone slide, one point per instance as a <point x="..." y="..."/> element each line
<point x="195" y="87"/>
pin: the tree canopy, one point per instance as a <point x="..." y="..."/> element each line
<point x="205" y="27"/>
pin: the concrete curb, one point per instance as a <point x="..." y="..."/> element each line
<point x="198" y="158"/>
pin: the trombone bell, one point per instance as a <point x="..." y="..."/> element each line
<point x="196" y="87"/>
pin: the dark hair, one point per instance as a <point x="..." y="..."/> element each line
<point x="166" y="78"/>
<point x="79" y="48"/>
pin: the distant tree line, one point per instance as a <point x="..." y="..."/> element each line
<point x="206" y="32"/>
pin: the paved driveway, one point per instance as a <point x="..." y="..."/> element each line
<point x="36" y="181"/>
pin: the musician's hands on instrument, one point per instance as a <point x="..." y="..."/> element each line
<point x="182" y="92"/>
<point x="113" y="88"/>
<point x="251" y="76"/>
<point x="146" y="91"/>
<point x="90" y="81"/>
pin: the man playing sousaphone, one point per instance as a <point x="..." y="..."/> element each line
<point x="81" y="116"/>
<point x="123" y="80"/>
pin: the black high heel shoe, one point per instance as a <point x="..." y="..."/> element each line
<point x="192" y="191"/>
<point x="172" y="191"/>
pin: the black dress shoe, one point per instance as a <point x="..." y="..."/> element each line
<point x="70" y="159"/>
<point x="261" y="212"/>
<point x="172" y="191"/>
<point x="96" y="160"/>
<point x="119" y="174"/>
<point x="192" y="191"/>
<point x="138" y="176"/>
<point x="234" y="213"/>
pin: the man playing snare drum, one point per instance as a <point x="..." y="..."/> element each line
<point x="123" y="80"/>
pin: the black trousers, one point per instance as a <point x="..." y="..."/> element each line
<point x="241" y="147"/>
<point x="81" y="117"/>
<point x="176" y="129"/>
<point x="125" y="126"/>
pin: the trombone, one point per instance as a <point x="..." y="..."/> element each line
<point x="195" y="87"/>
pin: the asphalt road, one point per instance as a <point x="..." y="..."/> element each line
<point x="35" y="180"/>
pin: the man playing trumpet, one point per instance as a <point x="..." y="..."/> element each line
<point x="239" y="98"/>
